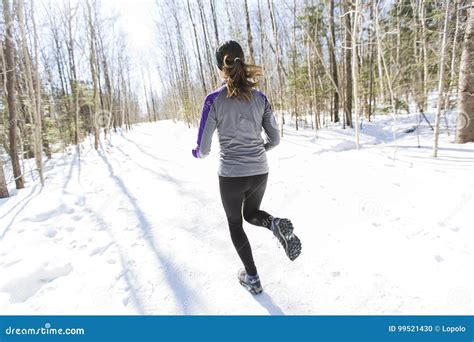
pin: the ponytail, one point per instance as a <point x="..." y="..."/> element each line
<point x="240" y="77"/>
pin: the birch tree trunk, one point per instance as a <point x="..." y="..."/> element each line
<point x="11" y="95"/>
<point x="313" y="100"/>
<point x="348" y="63"/>
<point x="37" y="91"/>
<point x="249" y="33"/>
<point x="441" y="80"/>
<point x="214" y="20"/>
<point x="277" y="56"/>
<point x="333" y="61"/>
<point x="93" y="66"/>
<point x="371" y="67"/>
<point x="262" y="49"/>
<point x="465" y="121"/>
<point x="214" y="79"/>
<point x="73" y="73"/>
<point x="424" y="55"/>
<point x="452" y="71"/>
<point x="295" y="86"/>
<point x="355" y="71"/>
<point x="3" y="184"/>
<point x="198" y="48"/>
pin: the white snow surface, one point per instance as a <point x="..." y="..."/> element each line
<point x="138" y="228"/>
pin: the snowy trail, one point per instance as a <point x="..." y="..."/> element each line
<point x="138" y="228"/>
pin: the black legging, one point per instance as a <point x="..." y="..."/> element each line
<point x="248" y="191"/>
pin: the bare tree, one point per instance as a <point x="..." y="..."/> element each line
<point x="214" y="20"/>
<point x="34" y="97"/>
<point x="93" y="66"/>
<point x="207" y="45"/>
<point x="465" y="121"/>
<point x="348" y="63"/>
<point x="441" y="79"/>
<point x="424" y="50"/>
<point x="249" y="33"/>
<point x="198" y="47"/>
<point x="11" y="94"/>
<point x="3" y="184"/>
<point x="355" y="69"/>
<point x="295" y="73"/>
<point x="277" y="56"/>
<point x="452" y="68"/>
<point x="333" y="61"/>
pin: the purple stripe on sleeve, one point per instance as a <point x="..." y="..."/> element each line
<point x="264" y="96"/>
<point x="208" y="102"/>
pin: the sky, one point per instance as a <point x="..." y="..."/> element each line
<point x="137" y="20"/>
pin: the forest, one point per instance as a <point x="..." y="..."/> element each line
<point x="68" y="75"/>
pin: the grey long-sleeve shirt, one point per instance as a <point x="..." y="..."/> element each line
<point x="239" y="126"/>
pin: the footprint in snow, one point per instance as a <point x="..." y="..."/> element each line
<point x="22" y="288"/>
<point x="100" y="250"/>
<point x="11" y="263"/>
<point x="51" y="232"/>
<point x="44" y="216"/>
<point x="77" y="217"/>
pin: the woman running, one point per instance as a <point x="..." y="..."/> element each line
<point x="239" y="112"/>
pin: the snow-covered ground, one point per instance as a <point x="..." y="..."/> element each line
<point x="138" y="228"/>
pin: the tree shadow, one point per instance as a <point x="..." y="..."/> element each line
<point x="183" y="294"/>
<point x="25" y="202"/>
<point x="127" y="274"/>
<point x="75" y="161"/>
<point x="170" y="179"/>
<point x="142" y="150"/>
<point x="32" y="190"/>
<point x="164" y="176"/>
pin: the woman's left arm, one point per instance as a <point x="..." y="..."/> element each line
<point x="207" y="127"/>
